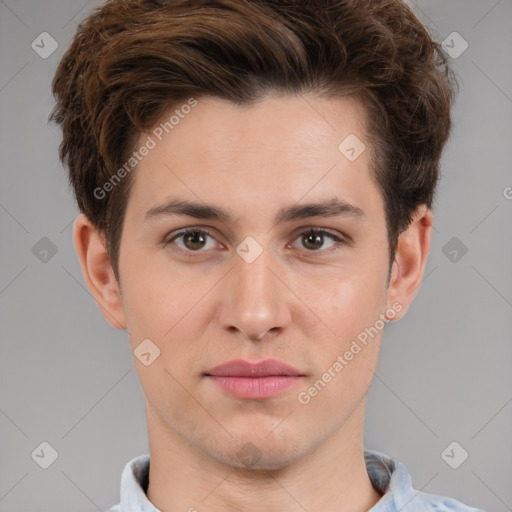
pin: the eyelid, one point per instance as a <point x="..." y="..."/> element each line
<point x="326" y="231"/>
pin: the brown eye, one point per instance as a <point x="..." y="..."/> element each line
<point x="195" y="240"/>
<point x="314" y="239"/>
<point x="192" y="240"/>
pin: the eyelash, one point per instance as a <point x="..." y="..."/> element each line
<point x="312" y="231"/>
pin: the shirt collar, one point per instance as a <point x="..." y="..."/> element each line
<point x="388" y="476"/>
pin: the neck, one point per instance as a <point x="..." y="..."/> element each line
<point x="332" y="476"/>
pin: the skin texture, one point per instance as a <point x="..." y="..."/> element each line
<point x="295" y="302"/>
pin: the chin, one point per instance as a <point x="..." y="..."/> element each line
<point x="258" y="452"/>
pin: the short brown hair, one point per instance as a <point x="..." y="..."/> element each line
<point x="132" y="60"/>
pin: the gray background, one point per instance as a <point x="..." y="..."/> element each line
<point x="68" y="378"/>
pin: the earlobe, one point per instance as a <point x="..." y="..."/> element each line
<point x="410" y="260"/>
<point x="97" y="270"/>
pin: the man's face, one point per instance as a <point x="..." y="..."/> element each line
<point x="253" y="288"/>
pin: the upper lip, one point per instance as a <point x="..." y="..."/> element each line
<point x="242" y="368"/>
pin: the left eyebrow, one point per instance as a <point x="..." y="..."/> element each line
<point x="332" y="208"/>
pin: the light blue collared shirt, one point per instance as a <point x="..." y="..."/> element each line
<point x="388" y="476"/>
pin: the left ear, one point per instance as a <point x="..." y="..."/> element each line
<point x="410" y="260"/>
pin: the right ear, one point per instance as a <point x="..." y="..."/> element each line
<point x="97" y="270"/>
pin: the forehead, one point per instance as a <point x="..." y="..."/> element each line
<point x="280" y="149"/>
<point x="295" y="124"/>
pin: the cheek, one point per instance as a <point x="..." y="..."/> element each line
<point x="167" y="312"/>
<point x="349" y="303"/>
<point x="348" y="308"/>
<point x="346" y="359"/>
<point x="173" y="312"/>
<point x="157" y="297"/>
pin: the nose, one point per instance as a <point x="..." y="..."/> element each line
<point x="255" y="301"/>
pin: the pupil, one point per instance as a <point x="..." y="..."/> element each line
<point x="194" y="237"/>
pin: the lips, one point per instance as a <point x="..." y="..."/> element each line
<point x="242" y="368"/>
<point x="254" y="381"/>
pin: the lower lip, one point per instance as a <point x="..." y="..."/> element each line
<point x="255" y="388"/>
